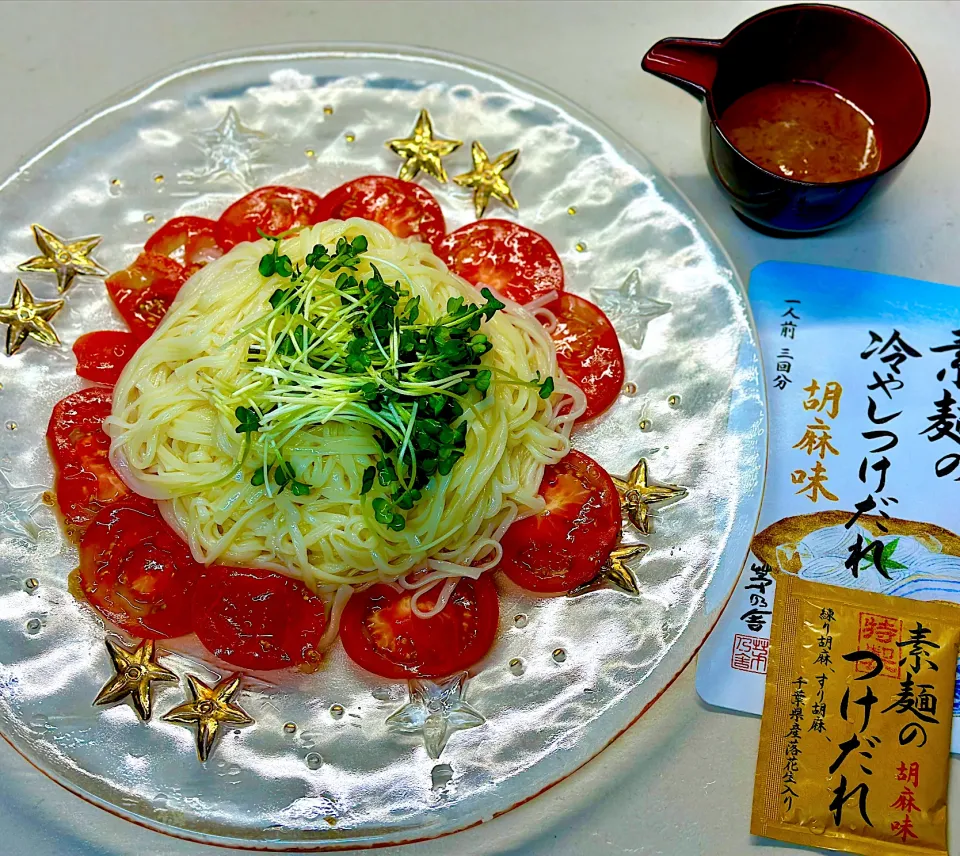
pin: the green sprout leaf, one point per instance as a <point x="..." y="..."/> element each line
<point x="284" y="266"/>
<point x="369" y="475"/>
<point x="299" y="488"/>
<point x="268" y="265"/>
<point x="381" y="511"/>
<point x="492" y="306"/>
<point x="284" y="475"/>
<point x="249" y="420"/>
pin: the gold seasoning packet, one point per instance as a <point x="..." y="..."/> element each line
<point x="855" y="736"/>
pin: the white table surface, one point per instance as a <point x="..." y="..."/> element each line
<point x="680" y="781"/>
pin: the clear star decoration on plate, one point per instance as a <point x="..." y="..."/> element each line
<point x="67" y="258"/>
<point x="17" y="505"/>
<point x="629" y="309"/>
<point x="436" y="710"/>
<point x="230" y="149"/>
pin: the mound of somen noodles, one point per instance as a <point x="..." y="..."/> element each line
<point x="338" y="407"/>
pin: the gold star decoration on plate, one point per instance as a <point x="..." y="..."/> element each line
<point x="637" y="495"/>
<point x="614" y="573"/>
<point x="135" y="672"/>
<point x="615" y="570"/>
<point x="422" y="151"/>
<point x="29" y="319"/>
<point x="487" y="179"/>
<point x="210" y="709"/>
<point x="66" y="258"/>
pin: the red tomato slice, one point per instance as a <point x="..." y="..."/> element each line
<point x="144" y="291"/>
<point x="406" y="209"/>
<point x="75" y="418"/>
<point x="186" y="240"/>
<point x="273" y="209"/>
<point x="256" y="619"/>
<point x="102" y="355"/>
<point x="137" y="572"/>
<point x="588" y="351"/>
<point x="564" y="545"/>
<point x="381" y="634"/>
<point x="86" y="481"/>
<point x="513" y="260"/>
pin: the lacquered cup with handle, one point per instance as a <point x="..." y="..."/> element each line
<point x="838" y="48"/>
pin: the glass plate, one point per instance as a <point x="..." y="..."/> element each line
<point x="567" y="674"/>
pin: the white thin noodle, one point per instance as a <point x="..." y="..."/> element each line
<point x="449" y="584"/>
<point x="174" y="438"/>
<point x="541" y="301"/>
<point x="547" y="318"/>
<point x="538" y="306"/>
<point x="337" y="604"/>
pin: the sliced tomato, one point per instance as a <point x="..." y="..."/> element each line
<point x="257" y="619"/>
<point x="272" y="209"/>
<point x="187" y="240"/>
<point x="381" y="634"/>
<point x="137" y="572"/>
<point x="509" y="258"/>
<point x="83" y="490"/>
<point x="564" y="545"/>
<point x="86" y="481"/>
<point x="76" y="418"/>
<point x="406" y="209"/>
<point x="588" y="351"/>
<point x="102" y="355"/>
<point x="144" y="291"/>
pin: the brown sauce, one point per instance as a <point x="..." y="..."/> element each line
<point x="803" y="131"/>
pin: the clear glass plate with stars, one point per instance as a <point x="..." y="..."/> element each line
<point x="339" y="757"/>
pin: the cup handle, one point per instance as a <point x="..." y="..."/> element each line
<point x="690" y="64"/>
